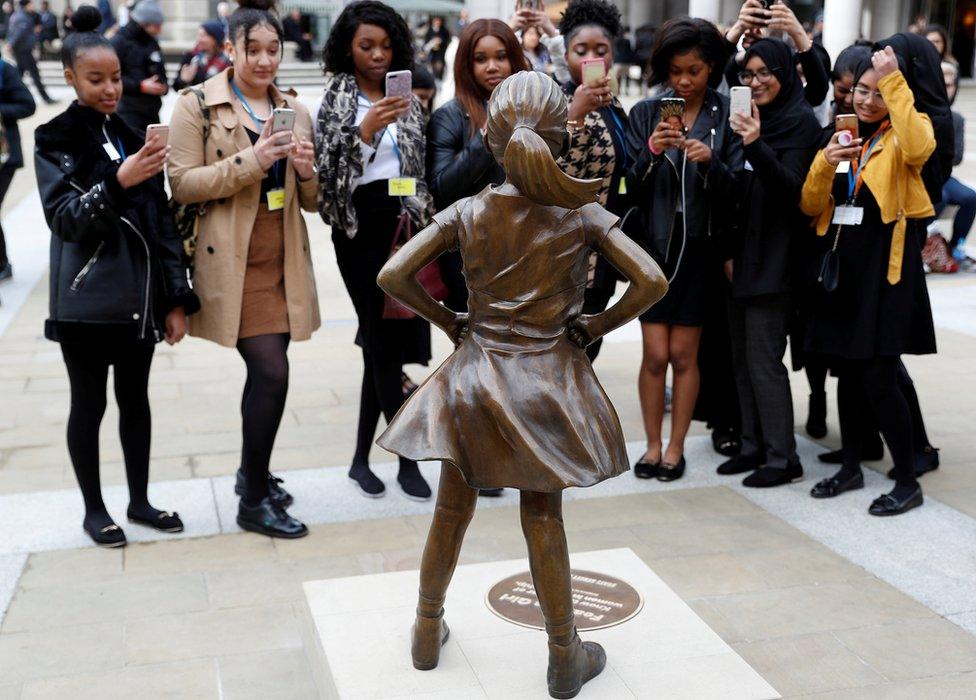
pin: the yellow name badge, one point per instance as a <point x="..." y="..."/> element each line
<point x="403" y="187"/>
<point x="622" y="189"/>
<point x="276" y="199"/>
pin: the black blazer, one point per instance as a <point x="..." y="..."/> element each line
<point x="116" y="259"/>
<point x="16" y="103"/>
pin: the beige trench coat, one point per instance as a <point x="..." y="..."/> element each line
<point x="228" y="177"/>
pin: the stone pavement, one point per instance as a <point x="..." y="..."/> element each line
<point x="819" y="598"/>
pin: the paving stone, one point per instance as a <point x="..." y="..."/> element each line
<point x="205" y="554"/>
<point x="335" y="539"/>
<point x="273" y="674"/>
<point x="211" y="633"/>
<point x="10" y="691"/>
<point x="82" y="565"/>
<point x="185" y="679"/>
<point x="68" y="650"/>
<point x="958" y="687"/>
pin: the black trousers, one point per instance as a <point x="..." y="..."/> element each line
<point x="758" y="327"/>
<point x="6" y="177"/>
<point x="27" y="64"/>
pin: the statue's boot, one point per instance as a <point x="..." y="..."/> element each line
<point x="571" y="665"/>
<point x="429" y="634"/>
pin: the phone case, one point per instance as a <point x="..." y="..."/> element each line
<point x="398" y="84"/>
<point x="593" y="71"/>
<point x="741" y="100"/>
<point x="672" y="107"/>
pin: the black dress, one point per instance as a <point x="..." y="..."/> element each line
<point x="360" y="260"/>
<point x="866" y="317"/>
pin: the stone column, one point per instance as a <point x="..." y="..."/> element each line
<point x="182" y="19"/>
<point x="706" y="9"/>
<point x="842" y="24"/>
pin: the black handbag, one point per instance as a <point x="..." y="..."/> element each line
<point x="829" y="275"/>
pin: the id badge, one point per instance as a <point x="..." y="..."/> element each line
<point x="843" y="167"/>
<point x="276" y="199"/>
<point x="848" y="215"/>
<point x="403" y="187"/>
<point x="622" y="188"/>
<point x="110" y="151"/>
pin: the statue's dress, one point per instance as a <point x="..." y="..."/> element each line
<point x="517" y="404"/>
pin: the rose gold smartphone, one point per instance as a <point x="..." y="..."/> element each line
<point x="160" y="130"/>
<point x="593" y="70"/>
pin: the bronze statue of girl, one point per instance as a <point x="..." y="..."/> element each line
<point x="517" y="405"/>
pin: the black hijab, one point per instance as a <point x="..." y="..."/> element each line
<point x="788" y="121"/>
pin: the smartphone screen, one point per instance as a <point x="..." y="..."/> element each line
<point x="282" y="119"/>
<point x="593" y="70"/>
<point x="161" y="132"/>
<point x="398" y="83"/>
<point x="740" y="98"/>
<point x="673" y="111"/>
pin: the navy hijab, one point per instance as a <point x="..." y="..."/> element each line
<point x="788" y="122"/>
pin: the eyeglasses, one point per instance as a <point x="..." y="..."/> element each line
<point x="763" y="74"/>
<point x="865" y="94"/>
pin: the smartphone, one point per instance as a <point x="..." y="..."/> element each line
<point x="399" y="83"/>
<point x="527" y="5"/>
<point x="741" y="100"/>
<point x="593" y="70"/>
<point x="282" y="119"/>
<point x="848" y="123"/>
<point x="673" y="110"/>
<point x="160" y="130"/>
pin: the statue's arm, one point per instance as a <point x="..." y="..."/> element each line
<point x="398" y="278"/>
<point x="647" y="285"/>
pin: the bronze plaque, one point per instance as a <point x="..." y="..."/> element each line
<point x="599" y="600"/>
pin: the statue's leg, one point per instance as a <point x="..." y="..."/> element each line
<point x="455" y="506"/>
<point x="571" y="662"/>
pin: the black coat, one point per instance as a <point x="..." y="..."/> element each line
<point x="116" y="259"/>
<point x="16" y="103"/>
<point x="140" y="58"/>
<point x="458" y="165"/>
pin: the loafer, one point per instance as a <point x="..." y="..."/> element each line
<point x="726" y="442"/>
<point x="367" y="482"/>
<point x="110" y="536"/>
<point x="490" y="493"/>
<point x="739" y="464"/>
<point x="768" y="477"/>
<point x="871" y="454"/>
<point x="889" y="505"/>
<point x="646" y="470"/>
<point x="163" y="522"/>
<point x="834" y="486"/>
<point x="671" y="472"/>
<point x="925" y="461"/>
<point x="277" y="493"/>
<point x="414" y="486"/>
<point x="268" y="518"/>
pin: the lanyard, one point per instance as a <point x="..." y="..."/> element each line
<point x="259" y="123"/>
<point x="855" y="176"/>
<point x="393" y="141"/>
<point x="621" y="136"/>
<point x="118" y="142"/>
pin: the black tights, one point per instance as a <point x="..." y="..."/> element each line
<point x="262" y="405"/>
<point x="878" y="379"/>
<point x="88" y="375"/>
<point x="381" y="393"/>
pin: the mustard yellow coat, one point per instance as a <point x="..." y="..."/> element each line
<point x="893" y="172"/>
<point x="228" y="176"/>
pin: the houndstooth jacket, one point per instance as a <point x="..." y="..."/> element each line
<point x="340" y="161"/>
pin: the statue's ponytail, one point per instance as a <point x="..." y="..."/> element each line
<point x="532" y="169"/>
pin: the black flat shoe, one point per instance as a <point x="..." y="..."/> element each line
<point x="367" y="482"/>
<point x="490" y="493"/>
<point x="164" y="521"/>
<point x="414" y="485"/>
<point x="740" y="464"/>
<point x="671" y="472"/>
<point x="817" y="415"/>
<point x="834" y="486"/>
<point x="889" y="505"/>
<point x="646" y="470"/>
<point x="268" y="518"/>
<point x="768" y="477"/>
<point x="872" y="454"/>
<point x="726" y="442"/>
<point x="110" y="536"/>
<point x="925" y="461"/>
<point x="277" y="493"/>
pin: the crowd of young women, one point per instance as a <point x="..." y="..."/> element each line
<point x="723" y="201"/>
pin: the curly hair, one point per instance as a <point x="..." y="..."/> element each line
<point x="583" y="13"/>
<point x="679" y="36"/>
<point x="337" y="54"/>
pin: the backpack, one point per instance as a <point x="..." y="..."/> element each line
<point x="185" y="215"/>
<point x="921" y="65"/>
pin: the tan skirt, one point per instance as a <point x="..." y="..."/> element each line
<point x="264" y="310"/>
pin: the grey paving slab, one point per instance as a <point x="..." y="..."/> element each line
<point x="11" y="567"/>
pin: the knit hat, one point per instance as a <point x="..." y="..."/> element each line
<point x="214" y="28"/>
<point x="147" y="12"/>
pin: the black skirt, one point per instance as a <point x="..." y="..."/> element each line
<point x="687" y="297"/>
<point x="866" y="317"/>
<point x="360" y="260"/>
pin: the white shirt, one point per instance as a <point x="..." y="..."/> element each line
<point x="381" y="163"/>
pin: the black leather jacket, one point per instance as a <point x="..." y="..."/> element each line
<point x="655" y="181"/>
<point x="458" y="165"/>
<point x="116" y="259"/>
<point x="140" y="58"/>
<point x="16" y="103"/>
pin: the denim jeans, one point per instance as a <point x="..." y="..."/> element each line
<point x="954" y="192"/>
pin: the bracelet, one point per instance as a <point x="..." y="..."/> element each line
<point x="650" y="147"/>
<point x="573" y="125"/>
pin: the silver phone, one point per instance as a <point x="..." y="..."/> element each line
<point x="740" y="98"/>
<point x="282" y="119"/>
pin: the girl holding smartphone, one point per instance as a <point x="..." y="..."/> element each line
<point x="253" y="268"/>
<point x="118" y="284"/>
<point x="370" y="152"/>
